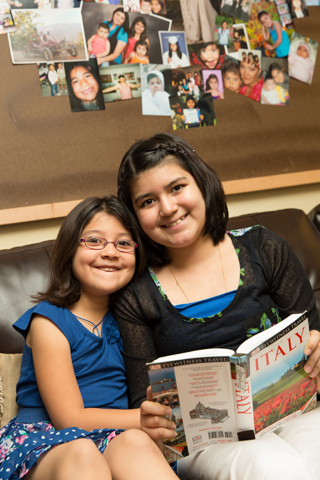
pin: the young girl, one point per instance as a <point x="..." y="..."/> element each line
<point x="124" y="88"/>
<point x="54" y="80"/>
<point x="155" y="100"/>
<point x="138" y="31"/>
<point x="174" y="56"/>
<point x="72" y="386"/>
<point x="157" y="7"/>
<point x="231" y="75"/>
<point x="62" y="78"/>
<point x="298" y="9"/>
<point x="224" y="33"/>
<point x="139" y="54"/>
<point x="212" y="85"/>
<point x="208" y="55"/>
<point x="279" y="75"/>
<point x="84" y="89"/>
<point x="301" y="66"/>
<point x="272" y="29"/>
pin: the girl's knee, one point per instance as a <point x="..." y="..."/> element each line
<point x="135" y="439"/>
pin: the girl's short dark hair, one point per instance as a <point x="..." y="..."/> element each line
<point x="64" y="289"/>
<point x="90" y="66"/>
<point x="149" y="153"/>
<point x="143" y="43"/>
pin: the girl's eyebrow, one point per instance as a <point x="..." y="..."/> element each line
<point x="148" y="194"/>
<point x="98" y="233"/>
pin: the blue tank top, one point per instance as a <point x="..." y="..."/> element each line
<point x="207" y="307"/>
<point x="97" y="361"/>
<point x="283" y="49"/>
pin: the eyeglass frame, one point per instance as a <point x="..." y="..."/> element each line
<point x="105" y="243"/>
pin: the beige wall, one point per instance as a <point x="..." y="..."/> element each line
<point x="305" y="198"/>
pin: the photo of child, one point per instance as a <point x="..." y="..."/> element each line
<point x="189" y="113"/>
<point x="231" y="74"/>
<point x="174" y="49"/>
<point x="139" y="54"/>
<point x="271" y="29"/>
<point x="98" y="44"/>
<point x="271" y="93"/>
<point x="240" y="38"/>
<point x="186" y="81"/>
<point x="120" y="82"/>
<point x="53" y="80"/>
<point x="299" y="9"/>
<point x="145" y="6"/>
<point x="224" y="30"/>
<point x="155" y="98"/>
<point x="286" y="21"/>
<point x="6" y="21"/>
<point x="62" y="79"/>
<point x="83" y="80"/>
<point x="207" y="55"/>
<point x="158" y="7"/>
<point x="131" y="5"/>
<point x="302" y="58"/>
<point x="212" y="80"/>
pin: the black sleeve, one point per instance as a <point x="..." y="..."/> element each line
<point x="138" y="346"/>
<point x="288" y="282"/>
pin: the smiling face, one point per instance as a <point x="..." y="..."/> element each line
<point x="173" y="47"/>
<point x="118" y="18"/>
<point x="191" y="103"/>
<point x="224" y="25"/>
<point x="303" y="51"/>
<point x="139" y="28"/>
<point x="277" y="75"/>
<point x="249" y="73"/>
<point x="269" y="85"/>
<point x="232" y="81"/>
<point x="156" y="6"/>
<point x="155" y="85"/>
<point x="169" y="205"/>
<point x="266" y="20"/>
<point x="84" y="85"/>
<point x="210" y="55"/>
<point x="141" y="50"/>
<point x="102" y="272"/>
<point x="213" y="83"/>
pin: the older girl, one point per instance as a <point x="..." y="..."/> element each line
<point x="205" y="288"/>
<point x="138" y="31"/>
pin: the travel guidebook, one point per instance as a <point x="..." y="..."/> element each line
<point x="222" y="396"/>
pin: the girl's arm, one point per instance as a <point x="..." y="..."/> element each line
<point x="58" y="386"/>
<point x="111" y="89"/>
<point x="221" y="95"/>
<point x="117" y="51"/>
<point x="134" y="86"/>
<point x="279" y="37"/>
<point x="128" y="58"/>
<point x="265" y="33"/>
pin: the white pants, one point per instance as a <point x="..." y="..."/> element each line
<point x="290" y="453"/>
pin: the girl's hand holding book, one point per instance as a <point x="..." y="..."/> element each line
<point x="312" y="350"/>
<point x="153" y="419"/>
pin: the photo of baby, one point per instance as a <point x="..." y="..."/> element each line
<point x="156" y="82"/>
<point x="302" y="58"/>
<point x="275" y="90"/>
<point x="231" y="74"/>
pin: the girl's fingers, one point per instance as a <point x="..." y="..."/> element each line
<point x="312" y="349"/>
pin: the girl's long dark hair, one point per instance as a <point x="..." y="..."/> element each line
<point x="212" y="75"/>
<point x="64" y="289"/>
<point x="91" y="67"/>
<point x="125" y="25"/>
<point x="179" y="53"/>
<point x="143" y="35"/>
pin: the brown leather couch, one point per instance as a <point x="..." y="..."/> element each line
<point x="23" y="271"/>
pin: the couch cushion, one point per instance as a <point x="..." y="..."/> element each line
<point x="9" y="376"/>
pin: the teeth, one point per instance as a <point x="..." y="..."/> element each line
<point x="111" y="269"/>
<point x="176" y="223"/>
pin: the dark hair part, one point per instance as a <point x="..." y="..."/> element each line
<point x="276" y="66"/>
<point x="143" y="43"/>
<point x="211" y="76"/>
<point x="191" y="97"/>
<point x="64" y="289"/>
<point x="179" y="53"/>
<point x="143" y="35"/>
<point x="103" y="25"/>
<point x="224" y="21"/>
<point x="121" y="76"/>
<point x="149" y="153"/>
<point x="230" y="66"/>
<point x="91" y="67"/>
<point x="260" y="13"/>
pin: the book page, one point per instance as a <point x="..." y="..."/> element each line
<point x="206" y="402"/>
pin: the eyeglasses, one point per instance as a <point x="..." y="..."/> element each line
<point x="97" y="243"/>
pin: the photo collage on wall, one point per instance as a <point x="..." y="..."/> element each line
<point x="178" y="59"/>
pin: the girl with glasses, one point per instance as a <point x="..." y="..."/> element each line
<point x="208" y="288"/>
<point x="72" y="391"/>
